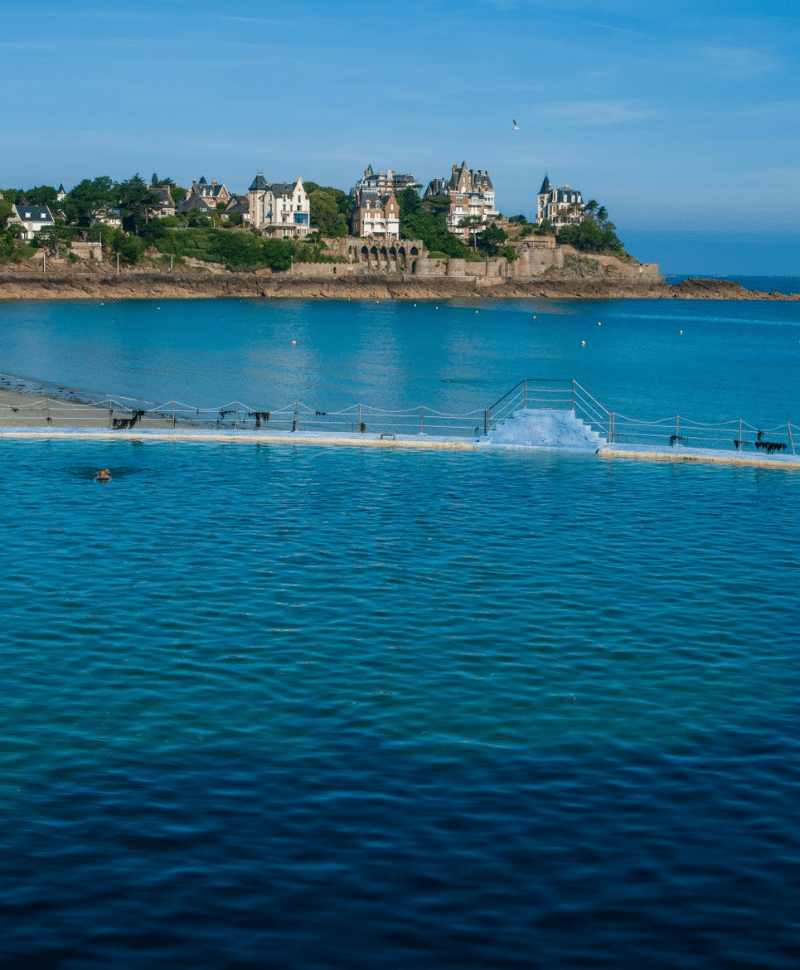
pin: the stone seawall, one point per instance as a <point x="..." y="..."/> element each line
<point x="162" y="286"/>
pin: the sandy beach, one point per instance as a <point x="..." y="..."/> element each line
<point x="24" y="409"/>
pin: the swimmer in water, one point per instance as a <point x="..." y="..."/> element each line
<point x="103" y="475"/>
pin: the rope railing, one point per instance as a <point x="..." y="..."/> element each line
<point x="119" y="413"/>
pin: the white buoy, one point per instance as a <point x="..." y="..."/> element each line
<point x="583" y="343"/>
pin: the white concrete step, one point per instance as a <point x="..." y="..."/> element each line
<point x="546" y="428"/>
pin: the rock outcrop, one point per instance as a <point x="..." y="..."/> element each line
<point x="25" y="285"/>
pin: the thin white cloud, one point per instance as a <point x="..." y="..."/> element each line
<point x="595" y="112"/>
<point x="734" y="62"/>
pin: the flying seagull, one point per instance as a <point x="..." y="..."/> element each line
<point x="514" y="125"/>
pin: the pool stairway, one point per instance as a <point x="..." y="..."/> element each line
<point x="546" y="428"/>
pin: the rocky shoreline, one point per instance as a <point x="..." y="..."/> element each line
<point x="165" y="286"/>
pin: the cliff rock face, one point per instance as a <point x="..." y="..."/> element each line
<point x="553" y="286"/>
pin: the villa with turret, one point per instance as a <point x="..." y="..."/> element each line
<point x="278" y="209"/>
<point x="560" y="207"/>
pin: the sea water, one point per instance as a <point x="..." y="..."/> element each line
<point x="709" y="361"/>
<point x="286" y="706"/>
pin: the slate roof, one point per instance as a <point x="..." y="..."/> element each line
<point x="260" y="184"/>
<point x="238" y="203"/>
<point x="194" y="202"/>
<point x="209" y="191"/>
<point x="33" y="213"/>
<point x="281" y="188"/>
<point x="545" y="185"/>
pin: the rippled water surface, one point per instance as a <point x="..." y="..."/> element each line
<point x="709" y="361"/>
<point x="275" y="706"/>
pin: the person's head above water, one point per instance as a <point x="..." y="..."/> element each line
<point x="103" y="475"/>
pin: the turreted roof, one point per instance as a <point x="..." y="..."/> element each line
<point x="259" y="184"/>
<point x="545" y="185"/>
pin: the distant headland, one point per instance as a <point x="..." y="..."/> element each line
<point x="383" y="240"/>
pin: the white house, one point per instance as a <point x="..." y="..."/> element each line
<point x="278" y="209"/>
<point x="32" y="218"/>
<point x="561" y="207"/>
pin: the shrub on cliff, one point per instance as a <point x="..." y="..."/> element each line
<point x="593" y="235"/>
<point x="427" y="220"/>
<point x="238" y="251"/>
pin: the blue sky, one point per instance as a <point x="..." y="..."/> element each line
<point x="680" y="117"/>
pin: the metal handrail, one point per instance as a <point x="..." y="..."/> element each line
<point x="540" y="393"/>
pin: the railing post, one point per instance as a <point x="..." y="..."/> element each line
<point x="422" y="419"/>
<point x="359" y="417"/>
<point x="173" y="414"/>
<point x="294" y="426"/>
<point x="486" y="421"/>
<point x="525" y="394"/>
<point x="677" y="428"/>
<point x="791" y="439"/>
<point x="573" y="394"/>
<point x="740" y="435"/>
<point x="235" y="416"/>
<point x="611" y="428"/>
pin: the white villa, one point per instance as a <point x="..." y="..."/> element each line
<point x="278" y="209"/>
<point x="32" y="218"/>
<point x="561" y="207"/>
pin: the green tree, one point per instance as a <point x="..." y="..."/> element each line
<point x="136" y="201"/>
<point x="5" y="212"/>
<point x="52" y="237"/>
<point x="41" y="195"/>
<point x="471" y="225"/>
<point x="330" y="208"/>
<point x="427" y="220"/>
<point x="129" y="248"/>
<point x="491" y="239"/>
<point x="88" y="195"/>
<point x="593" y="236"/>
